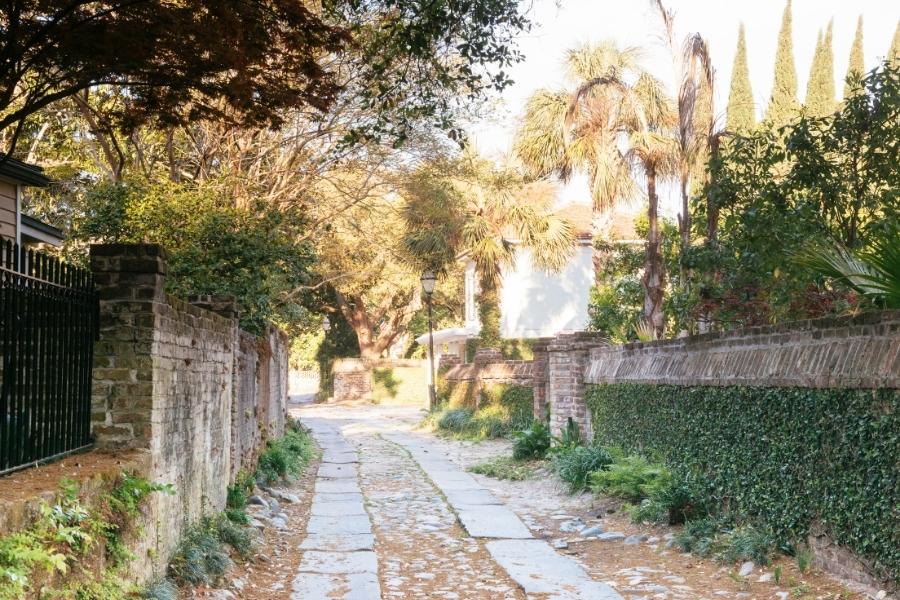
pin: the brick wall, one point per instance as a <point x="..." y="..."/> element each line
<point x="182" y="382"/>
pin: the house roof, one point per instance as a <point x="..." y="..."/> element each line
<point x="581" y="216"/>
<point x="22" y="172"/>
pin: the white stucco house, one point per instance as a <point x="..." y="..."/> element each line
<point x="533" y="302"/>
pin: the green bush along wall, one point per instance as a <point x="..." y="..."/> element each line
<point x="786" y="456"/>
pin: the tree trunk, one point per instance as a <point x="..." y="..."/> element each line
<point x="654" y="269"/>
<point x="684" y="219"/>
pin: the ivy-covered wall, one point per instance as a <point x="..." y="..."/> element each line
<point x="788" y="456"/>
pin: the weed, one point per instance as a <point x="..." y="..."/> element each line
<point x="804" y="558"/>
<point x="505" y="468"/>
<point x="776" y="575"/>
<point x="533" y="442"/>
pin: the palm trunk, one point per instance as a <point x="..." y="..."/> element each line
<point x="684" y="219"/>
<point x="654" y="269"/>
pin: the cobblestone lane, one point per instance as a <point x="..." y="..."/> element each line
<point x="392" y="517"/>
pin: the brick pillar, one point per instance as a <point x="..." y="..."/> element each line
<point x="540" y="375"/>
<point x="569" y="355"/>
<point x="129" y="279"/>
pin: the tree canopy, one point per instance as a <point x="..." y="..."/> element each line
<point x="247" y="62"/>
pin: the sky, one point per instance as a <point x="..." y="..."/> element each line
<point x="561" y="24"/>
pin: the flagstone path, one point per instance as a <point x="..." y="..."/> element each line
<point x="393" y="517"/>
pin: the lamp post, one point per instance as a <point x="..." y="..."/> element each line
<point x="324" y="366"/>
<point x="428" y="280"/>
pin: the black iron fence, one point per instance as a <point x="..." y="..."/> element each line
<point x="48" y="324"/>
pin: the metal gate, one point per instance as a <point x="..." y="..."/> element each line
<point x="48" y="324"/>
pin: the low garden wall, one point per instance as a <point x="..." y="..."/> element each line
<point x="183" y="383"/>
<point x="383" y="381"/>
<point x="796" y="424"/>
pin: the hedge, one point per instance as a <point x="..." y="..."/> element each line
<point x="785" y="456"/>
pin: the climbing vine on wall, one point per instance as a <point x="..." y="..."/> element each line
<point x="787" y="456"/>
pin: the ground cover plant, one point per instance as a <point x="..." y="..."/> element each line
<point x="511" y="469"/>
<point x="69" y="532"/>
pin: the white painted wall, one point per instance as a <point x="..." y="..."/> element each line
<point x="534" y="303"/>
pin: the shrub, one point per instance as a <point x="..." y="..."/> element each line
<point x="162" y="589"/>
<point x="503" y="409"/>
<point x="575" y="465"/>
<point x="286" y="456"/>
<point x="725" y="540"/>
<point x="455" y="419"/>
<point x="505" y="468"/>
<point x="676" y="500"/>
<point x="533" y="442"/>
<point x="201" y="558"/>
<point x="632" y="478"/>
<point x="780" y="456"/>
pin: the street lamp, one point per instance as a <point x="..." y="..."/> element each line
<point x="324" y="362"/>
<point x="428" y="280"/>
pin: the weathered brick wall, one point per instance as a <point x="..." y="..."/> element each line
<point x="183" y="382"/>
<point x="512" y="372"/>
<point x="845" y="352"/>
<point x="352" y="379"/>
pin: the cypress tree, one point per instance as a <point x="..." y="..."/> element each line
<point x="741" y="113"/>
<point x="820" y="99"/>
<point x="783" y="103"/>
<point x="857" y="66"/>
<point x="894" y="52"/>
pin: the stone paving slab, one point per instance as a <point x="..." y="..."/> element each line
<point x="335" y="471"/>
<point x="316" y="561"/>
<point x="535" y="566"/>
<point x="339" y="525"/>
<point x="470" y="497"/>
<point x="350" y="586"/>
<point x="336" y="486"/>
<point x="341" y="458"/>
<point x="330" y="508"/>
<point x="348" y="542"/>
<point x="338" y="497"/>
<point x="491" y="521"/>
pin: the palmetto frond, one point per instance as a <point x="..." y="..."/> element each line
<point x="873" y="272"/>
<point x="540" y="139"/>
<point x="589" y="61"/>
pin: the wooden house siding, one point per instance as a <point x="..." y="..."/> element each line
<point x="7" y="209"/>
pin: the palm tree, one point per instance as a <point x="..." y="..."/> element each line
<point x="695" y="78"/>
<point x="647" y="116"/>
<point x="576" y="130"/>
<point x="471" y="208"/>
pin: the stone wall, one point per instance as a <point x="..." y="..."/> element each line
<point x="183" y="382"/>
<point x="846" y="352"/>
